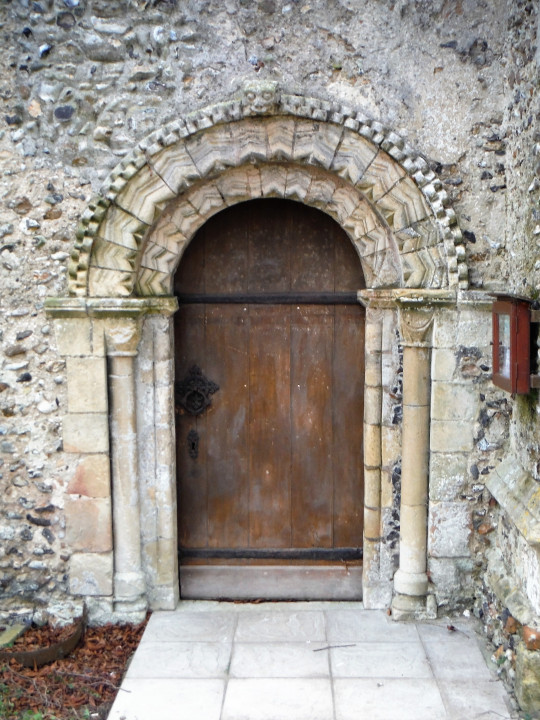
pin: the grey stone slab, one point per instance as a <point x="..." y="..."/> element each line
<point x="180" y="660"/>
<point x="275" y="660"/>
<point x="367" y="626"/>
<point x="271" y="582"/>
<point x="388" y="699"/>
<point x="143" y="699"/>
<point x="190" y="625"/>
<point x="457" y="660"/>
<point x="475" y="699"/>
<point x="278" y="626"/>
<point x="382" y="660"/>
<point x="273" y="699"/>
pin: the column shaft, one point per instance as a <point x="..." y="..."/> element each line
<point x="410" y="581"/>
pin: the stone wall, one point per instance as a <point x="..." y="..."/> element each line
<point x="84" y="81"/>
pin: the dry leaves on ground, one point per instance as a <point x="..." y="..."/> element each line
<point x="82" y="685"/>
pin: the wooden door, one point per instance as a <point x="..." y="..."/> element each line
<point x="269" y="379"/>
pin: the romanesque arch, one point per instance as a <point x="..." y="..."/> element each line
<point x="114" y="327"/>
<point x="362" y="174"/>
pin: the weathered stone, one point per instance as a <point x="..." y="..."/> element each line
<point x="449" y="528"/>
<point x="86" y="433"/>
<point x="89" y="524"/>
<point x="91" y="477"/>
<point x="531" y="638"/>
<point x="91" y="394"/>
<point x="13" y="350"/>
<point x="451" y="401"/>
<point x="91" y="574"/>
<point x="527" y="679"/>
<point x="73" y="336"/>
<point x="451" y="436"/>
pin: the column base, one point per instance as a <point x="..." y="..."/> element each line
<point x="130" y="602"/>
<point x="130" y="612"/>
<point x="408" y="583"/>
<point x="129" y="585"/>
<point x="408" y="607"/>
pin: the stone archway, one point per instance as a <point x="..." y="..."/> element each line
<point x="128" y="246"/>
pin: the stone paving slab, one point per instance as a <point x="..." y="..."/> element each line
<point x="283" y="698"/>
<point x="180" y="660"/>
<point x="388" y="699"/>
<point x="280" y="660"/>
<point x="166" y="699"/>
<point x="307" y="661"/>
<point x="383" y="660"/>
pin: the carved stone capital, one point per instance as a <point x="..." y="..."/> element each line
<point x="122" y="336"/>
<point x="415" y="326"/>
<point x="375" y="315"/>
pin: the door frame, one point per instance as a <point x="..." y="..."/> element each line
<point x="130" y="241"/>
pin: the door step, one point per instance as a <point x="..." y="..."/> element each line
<point x="271" y="582"/>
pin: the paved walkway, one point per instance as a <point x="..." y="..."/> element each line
<point x="306" y="661"/>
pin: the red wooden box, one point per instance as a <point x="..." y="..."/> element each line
<point x="512" y="344"/>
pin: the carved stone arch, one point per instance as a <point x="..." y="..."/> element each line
<point x="165" y="242"/>
<point x="381" y="192"/>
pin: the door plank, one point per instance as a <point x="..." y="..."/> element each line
<point x="348" y="401"/>
<point x="269" y="426"/>
<point x="311" y="412"/>
<point x="227" y="342"/>
<point x="269" y="250"/>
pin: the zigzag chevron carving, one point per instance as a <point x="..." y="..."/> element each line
<point x="309" y="150"/>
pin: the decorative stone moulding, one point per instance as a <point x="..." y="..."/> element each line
<point x="268" y="144"/>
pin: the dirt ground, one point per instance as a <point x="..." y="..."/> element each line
<point x="80" y="686"/>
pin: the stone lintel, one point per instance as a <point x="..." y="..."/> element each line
<point x="109" y="307"/>
<point x="519" y="495"/>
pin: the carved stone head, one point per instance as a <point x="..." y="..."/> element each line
<point x="260" y="98"/>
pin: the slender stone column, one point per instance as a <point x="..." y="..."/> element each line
<point x="122" y="337"/>
<point x="410" y="581"/>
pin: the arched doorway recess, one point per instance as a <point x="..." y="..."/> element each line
<point x="115" y="327"/>
<point x="269" y="360"/>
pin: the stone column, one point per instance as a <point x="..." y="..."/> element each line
<point x="410" y="581"/>
<point x="122" y="337"/>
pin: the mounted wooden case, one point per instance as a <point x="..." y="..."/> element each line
<point x="512" y="344"/>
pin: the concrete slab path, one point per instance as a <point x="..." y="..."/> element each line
<point x="307" y="661"/>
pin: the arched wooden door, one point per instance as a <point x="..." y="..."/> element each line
<point x="269" y="398"/>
